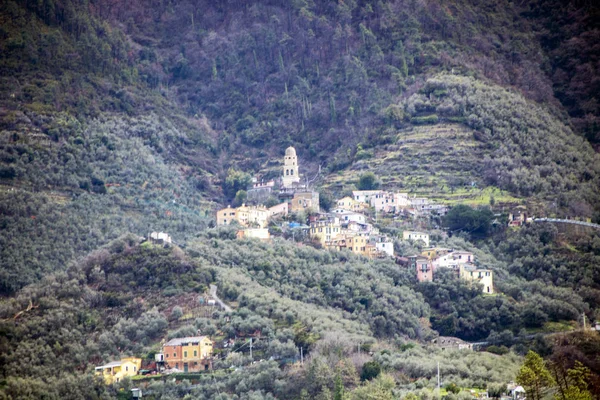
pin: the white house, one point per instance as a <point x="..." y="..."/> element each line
<point x="414" y="235"/>
<point x="351" y="217"/>
<point x="472" y="273"/>
<point x="384" y="245"/>
<point x="453" y="259"/>
<point x="364" y="196"/>
<point x="160" y="237"/>
<point x="389" y="202"/>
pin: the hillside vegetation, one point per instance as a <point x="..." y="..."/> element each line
<point x="119" y="118"/>
<point x="94" y="93"/>
<point x="121" y="300"/>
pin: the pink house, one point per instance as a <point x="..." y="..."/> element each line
<point x="423" y="267"/>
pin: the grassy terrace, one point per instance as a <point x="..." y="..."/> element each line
<point x="439" y="161"/>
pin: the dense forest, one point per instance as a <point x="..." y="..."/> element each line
<point x="119" y="118"/>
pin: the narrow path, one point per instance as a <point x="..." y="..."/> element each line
<point x="213" y="294"/>
<point x="568" y="221"/>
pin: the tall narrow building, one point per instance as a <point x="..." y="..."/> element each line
<point x="290" y="167"/>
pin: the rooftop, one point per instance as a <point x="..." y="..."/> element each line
<point x="185" y="340"/>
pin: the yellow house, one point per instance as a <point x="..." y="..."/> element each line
<point x="435" y="252"/>
<point x="325" y="230"/>
<point x="115" y="371"/>
<point x="485" y="277"/>
<point x="254" y="216"/>
<point x="305" y="200"/>
<point x="226" y="216"/>
<point x="189" y="354"/>
<point x="354" y="243"/>
<point x="358" y="245"/>
<point x="348" y="203"/>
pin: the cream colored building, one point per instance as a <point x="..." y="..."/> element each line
<point x="290" y="168"/>
<point x="364" y="196"/>
<point x="389" y="202"/>
<point x="325" y="230"/>
<point x="305" y="201"/>
<point x="485" y="277"/>
<point x="251" y="216"/>
<point x="115" y="371"/>
<point x="279" y="209"/>
<point x="226" y="216"/>
<point x="349" y="204"/>
<point x="414" y="236"/>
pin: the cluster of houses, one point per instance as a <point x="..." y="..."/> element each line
<point x="293" y="195"/>
<point x="188" y="354"/>
<point x="462" y="263"/>
<point x="391" y="203"/>
<point x="346" y="227"/>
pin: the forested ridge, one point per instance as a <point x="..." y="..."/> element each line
<point x="119" y="118"/>
<point x="123" y="298"/>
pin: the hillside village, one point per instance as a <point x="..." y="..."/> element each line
<point x="351" y="224"/>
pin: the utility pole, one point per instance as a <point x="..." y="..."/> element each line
<point x="251" y="350"/>
<point x="439" y="390"/>
<point x="358" y="348"/>
<point x="301" y="355"/>
<point x="583" y="315"/>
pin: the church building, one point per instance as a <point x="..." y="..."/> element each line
<point x="290" y="168"/>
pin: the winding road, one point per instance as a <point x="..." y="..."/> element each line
<point x="213" y="294"/>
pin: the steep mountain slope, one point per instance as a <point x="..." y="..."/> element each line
<point x="121" y="299"/>
<point x="86" y="153"/>
<point x="94" y="93"/>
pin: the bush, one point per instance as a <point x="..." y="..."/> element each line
<point x="425" y="120"/>
<point x="370" y="370"/>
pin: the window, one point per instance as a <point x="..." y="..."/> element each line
<point x="166" y="355"/>
<point x="174" y="355"/>
<point x="287" y="171"/>
<point x="134" y="369"/>
<point x="185" y="353"/>
<point x="195" y="353"/>
<point x="291" y="172"/>
<point x="126" y="368"/>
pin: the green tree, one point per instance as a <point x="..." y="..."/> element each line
<point x="476" y="222"/>
<point x="534" y="376"/>
<point x="339" y="388"/>
<point x="177" y="313"/>
<point x="325" y="200"/>
<point x="235" y="181"/>
<point x="572" y="385"/>
<point x="368" y="181"/>
<point x="495" y="391"/>
<point x="380" y="388"/>
<point x="452" y="388"/>
<point x="370" y="370"/>
<point x="240" y="198"/>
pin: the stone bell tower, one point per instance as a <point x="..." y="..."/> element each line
<point x="290" y="167"/>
